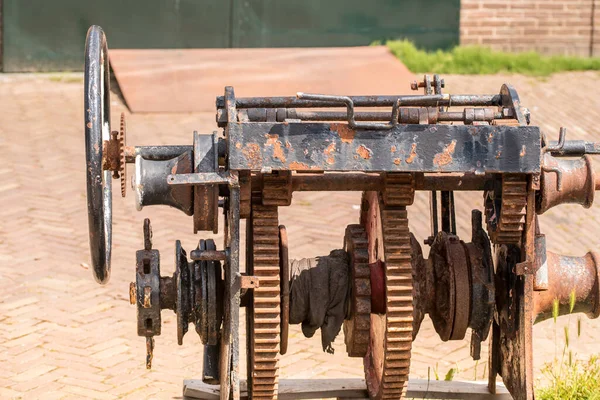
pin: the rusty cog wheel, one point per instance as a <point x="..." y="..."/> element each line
<point x="263" y="318"/>
<point x="122" y="160"/>
<point x="506" y="208"/>
<point x="387" y="362"/>
<point x="357" y="326"/>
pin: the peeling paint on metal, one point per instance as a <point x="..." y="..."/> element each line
<point x="252" y="154"/>
<point x="445" y="157"/>
<point x="363" y="151"/>
<point x="298" y="166"/>
<point x="413" y="154"/>
<point x="273" y="141"/>
<point x="329" y="153"/>
<point x="344" y="132"/>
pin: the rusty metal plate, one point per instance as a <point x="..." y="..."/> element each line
<point x="404" y="148"/>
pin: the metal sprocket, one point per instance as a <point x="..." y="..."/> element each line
<point x="387" y="361"/>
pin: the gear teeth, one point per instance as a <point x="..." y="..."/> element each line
<point x="122" y="160"/>
<point x="399" y="189"/>
<point x="357" y="327"/>
<point x="277" y="189"/>
<point x="512" y="213"/>
<point x="399" y="312"/>
<point x="265" y="336"/>
<point x="392" y="352"/>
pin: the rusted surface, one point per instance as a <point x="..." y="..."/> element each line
<point x="368" y="182"/>
<point x="442" y="305"/>
<point x="253" y="155"/>
<point x="345" y="133"/>
<point x="206" y="197"/>
<point x="506" y="208"/>
<point x="111" y="159"/>
<point x="364" y="152"/>
<point x="387" y="362"/>
<point x="413" y="154"/>
<point x="264" y="314"/>
<point x="377" y="280"/>
<point x="570" y="276"/>
<point x="431" y="100"/>
<point x="445" y="157"/>
<point x="357" y="322"/>
<point x="167" y="293"/>
<point x="512" y="343"/>
<point x="566" y="181"/>
<point x="208" y="255"/>
<point x="277" y="188"/>
<point x="132" y="293"/>
<point x="420" y="148"/>
<point x="454" y="285"/>
<point x="249" y="282"/>
<point x="272" y="140"/>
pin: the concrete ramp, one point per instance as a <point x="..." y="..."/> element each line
<point x="189" y="80"/>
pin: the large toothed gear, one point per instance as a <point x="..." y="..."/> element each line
<point x="264" y="317"/>
<point x="387" y="362"/>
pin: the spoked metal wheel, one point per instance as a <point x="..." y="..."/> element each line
<point x="97" y="130"/>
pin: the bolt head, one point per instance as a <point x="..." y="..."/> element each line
<point x="414" y="85"/>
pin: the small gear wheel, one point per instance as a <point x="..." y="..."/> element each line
<point x="122" y="161"/>
<point x="358" y="325"/>
<point x="506" y="209"/>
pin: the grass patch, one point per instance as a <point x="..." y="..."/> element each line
<point x="570" y="378"/>
<point x="475" y="60"/>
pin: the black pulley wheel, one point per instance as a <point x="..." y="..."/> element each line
<point x="97" y="130"/>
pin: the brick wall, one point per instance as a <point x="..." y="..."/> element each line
<point x="546" y="26"/>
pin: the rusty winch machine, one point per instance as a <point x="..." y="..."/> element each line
<point x="378" y="287"/>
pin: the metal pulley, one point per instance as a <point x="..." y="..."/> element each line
<point x="194" y="293"/>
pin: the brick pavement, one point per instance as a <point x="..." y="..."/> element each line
<point x="62" y="336"/>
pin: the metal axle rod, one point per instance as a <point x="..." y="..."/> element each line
<point x="368" y="101"/>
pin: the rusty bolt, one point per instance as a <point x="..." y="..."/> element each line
<point x="132" y="293"/>
<point x="414" y="85"/>
<point x="147" y="297"/>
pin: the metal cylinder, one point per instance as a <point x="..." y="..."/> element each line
<point x="151" y="187"/>
<point x="566" y="181"/>
<point x="567" y="277"/>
